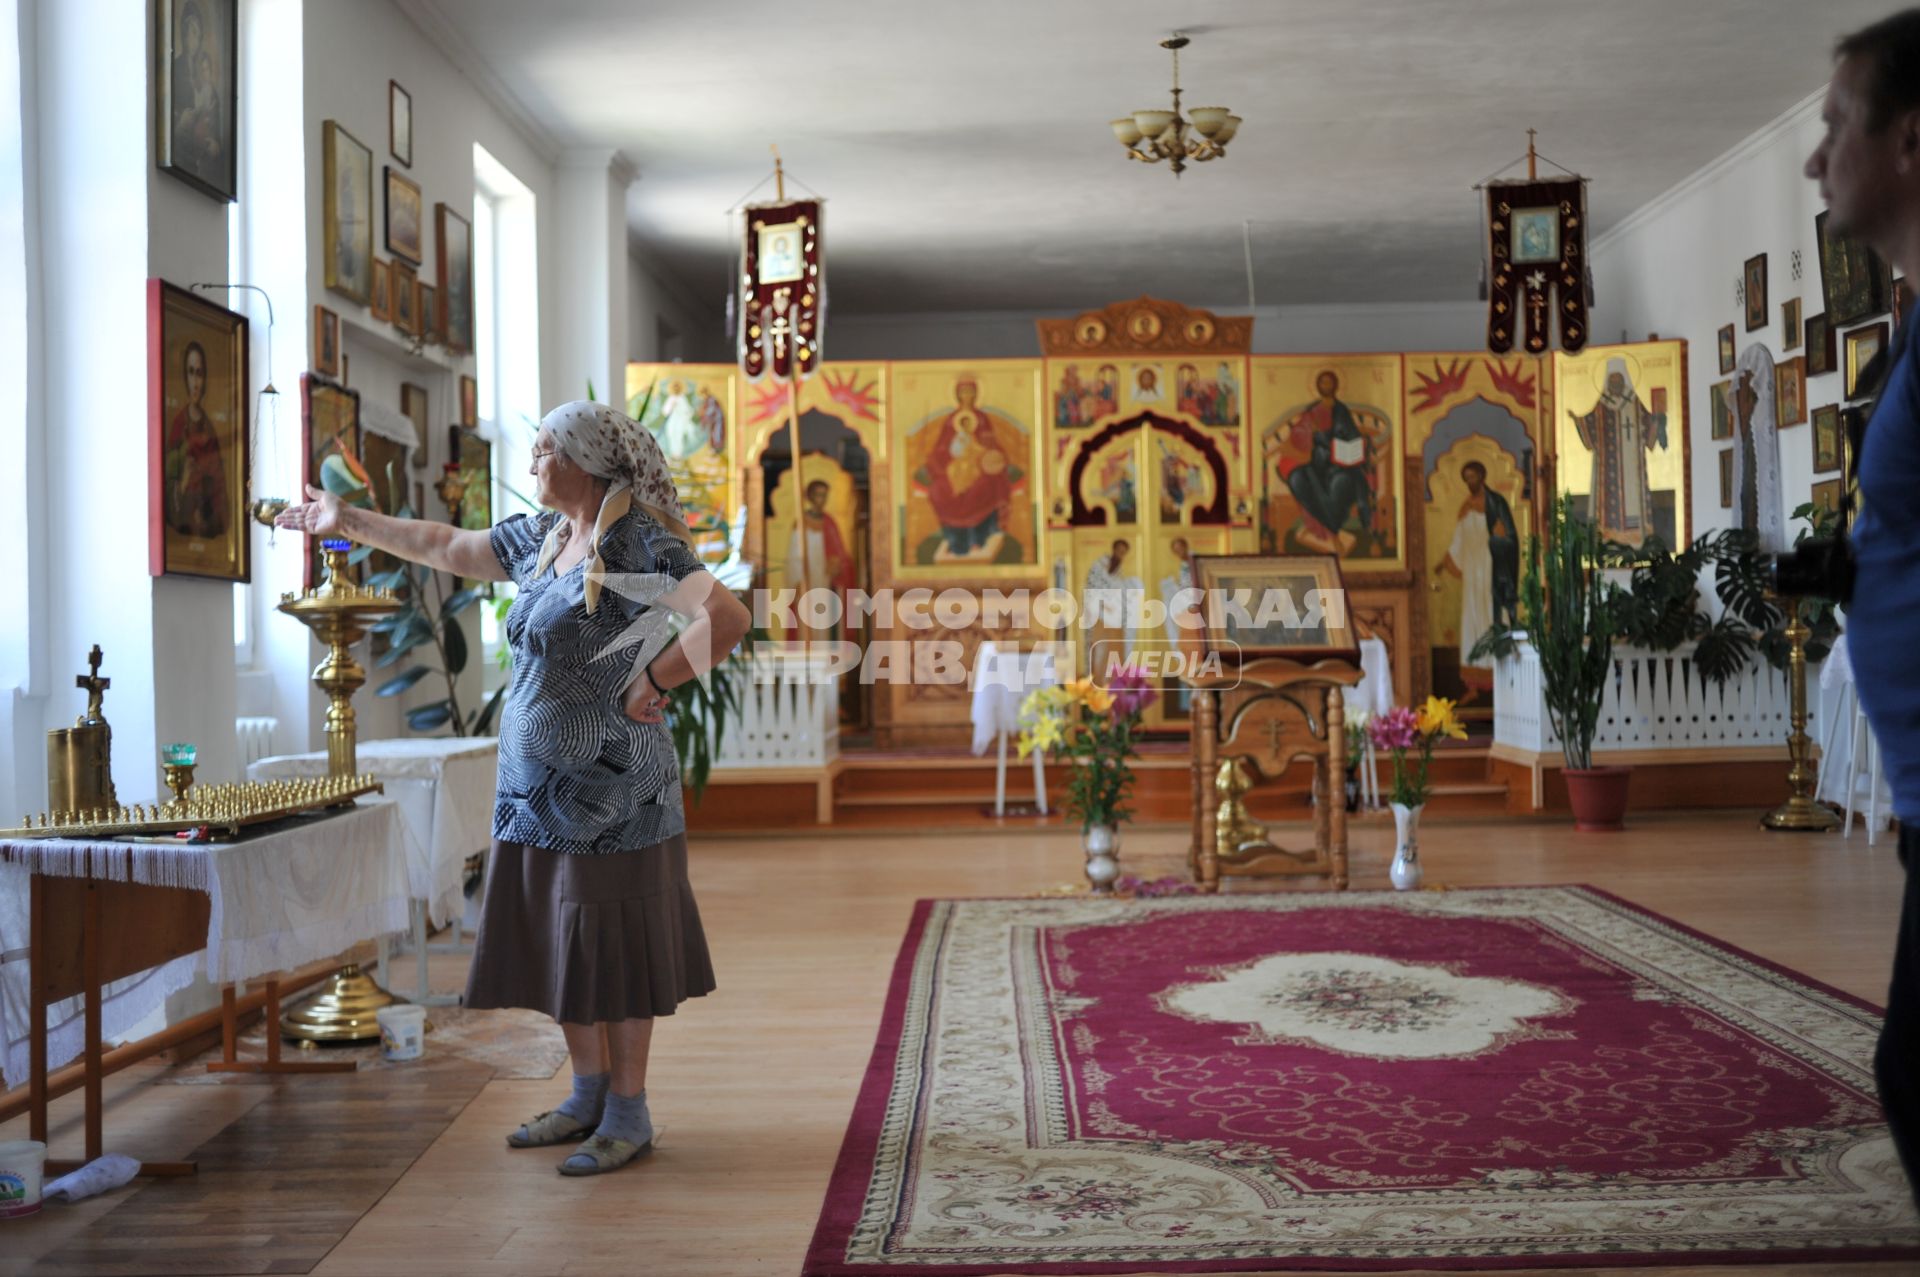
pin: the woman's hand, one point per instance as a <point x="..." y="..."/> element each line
<point x="644" y="702"/>
<point x="321" y="514"/>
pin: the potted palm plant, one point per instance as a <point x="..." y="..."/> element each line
<point x="1567" y="613"/>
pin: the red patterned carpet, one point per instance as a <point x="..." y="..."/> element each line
<point x="1531" y="1077"/>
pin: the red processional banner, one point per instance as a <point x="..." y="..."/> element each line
<point x="783" y="297"/>
<point x="1537" y="244"/>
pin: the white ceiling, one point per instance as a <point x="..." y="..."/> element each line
<point x="964" y="152"/>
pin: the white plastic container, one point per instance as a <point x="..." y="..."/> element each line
<point x="21" y="1162"/>
<point x="403" y="1031"/>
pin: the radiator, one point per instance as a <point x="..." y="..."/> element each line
<point x="256" y="739"/>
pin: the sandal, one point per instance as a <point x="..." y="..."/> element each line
<point x="549" y="1128"/>
<point x="600" y="1155"/>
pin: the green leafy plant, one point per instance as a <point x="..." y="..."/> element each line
<point x="699" y="710"/>
<point x="1660" y="608"/>
<point x="1741" y="581"/>
<point x="1568" y="616"/>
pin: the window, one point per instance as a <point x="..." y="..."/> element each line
<point x="506" y="291"/>
<point x="242" y="591"/>
<point x="17" y="338"/>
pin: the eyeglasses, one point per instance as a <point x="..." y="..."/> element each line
<point x="538" y="455"/>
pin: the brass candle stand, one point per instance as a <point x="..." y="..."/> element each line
<point x="179" y="780"/>
<point x="339" y="613"/>
<point x="1800" y="812"/>
<point x="221" y="810"/>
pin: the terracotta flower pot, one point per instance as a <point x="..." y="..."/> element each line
<point x="1598" y="796"/>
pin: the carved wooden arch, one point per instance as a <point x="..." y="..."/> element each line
<point x="1216" y="514"/>
<point x="1146" y="326"/>
<point x="1269" y="714"/>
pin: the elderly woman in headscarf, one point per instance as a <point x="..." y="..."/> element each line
<point x="588" y="916"/>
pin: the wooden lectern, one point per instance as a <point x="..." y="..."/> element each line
<point x="1265" y="695"/>
<point x="1248" y="725"/>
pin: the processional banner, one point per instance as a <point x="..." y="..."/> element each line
<point x="1537" y="244"/>
<point x="783" y="297"/>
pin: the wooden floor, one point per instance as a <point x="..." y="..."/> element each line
<point x="755" y="1083"/>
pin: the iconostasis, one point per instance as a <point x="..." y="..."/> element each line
<point x="1147" y="434"/>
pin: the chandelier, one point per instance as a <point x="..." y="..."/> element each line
<point x="1152" y="136"/>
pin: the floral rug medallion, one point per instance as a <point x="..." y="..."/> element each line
<point x="1508" y="1078"/>
<point x="1359" y="1004"/>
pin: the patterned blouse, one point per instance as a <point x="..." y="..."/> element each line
<point x="576" y="774"/>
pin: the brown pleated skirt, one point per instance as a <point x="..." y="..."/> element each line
<point x="590" y="938"/>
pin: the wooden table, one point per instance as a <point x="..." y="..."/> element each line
<point x="101" y="911"/>
<point x="1249" y="723"/>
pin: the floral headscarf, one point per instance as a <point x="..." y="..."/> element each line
<point x="610" y="445"/>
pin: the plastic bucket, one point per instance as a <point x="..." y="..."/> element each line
<point x="403" y="1031"/>
<point x="21" y="1162"/>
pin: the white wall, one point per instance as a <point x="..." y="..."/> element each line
<point x="696" y="322"/>
<point x="352" y="48"/>
<point x="590" y="273"/>
<point x="89" y="116"/>
<point x="1277" y="330"/>
<point x="1671" y="268"/>
<point x="23" y="656"/>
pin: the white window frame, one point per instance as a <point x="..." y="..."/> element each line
<point x="506" y="346"/>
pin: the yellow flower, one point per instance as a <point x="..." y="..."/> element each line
<point x="1088" y="693"/>
<point x="1044" y="734"/>
<point x="1436" y="718"/>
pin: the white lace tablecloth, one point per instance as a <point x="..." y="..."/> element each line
<point x="444" y="788"/>
<point x="282" y="899"/>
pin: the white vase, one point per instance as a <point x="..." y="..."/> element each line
<point x="1102" y="845"/>
<point x="1405" y="872"/>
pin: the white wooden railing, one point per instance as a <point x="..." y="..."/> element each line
<point x="1655" y="700"/>
<point x="789" y="713"/>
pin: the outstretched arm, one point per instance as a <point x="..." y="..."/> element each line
<point x="437" y="545"/>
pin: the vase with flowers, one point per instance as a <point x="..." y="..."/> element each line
<point x="1408" y="737"/>
<point x="1096" y="728"/>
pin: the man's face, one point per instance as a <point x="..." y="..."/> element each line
<point x="1475" y="480"/>
<point x="1855" y="168"/>
<point x="1327" y="384"/>
<point x="1616" y="384"/>
<point x="1180" y="548"/>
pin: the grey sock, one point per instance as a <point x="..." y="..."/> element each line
<point x="588" y="1100"/>
<point x="626" y="1119"/>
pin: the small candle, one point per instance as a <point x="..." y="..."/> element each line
<point x="179" y="754"/>
<point x="336" y="543"/>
